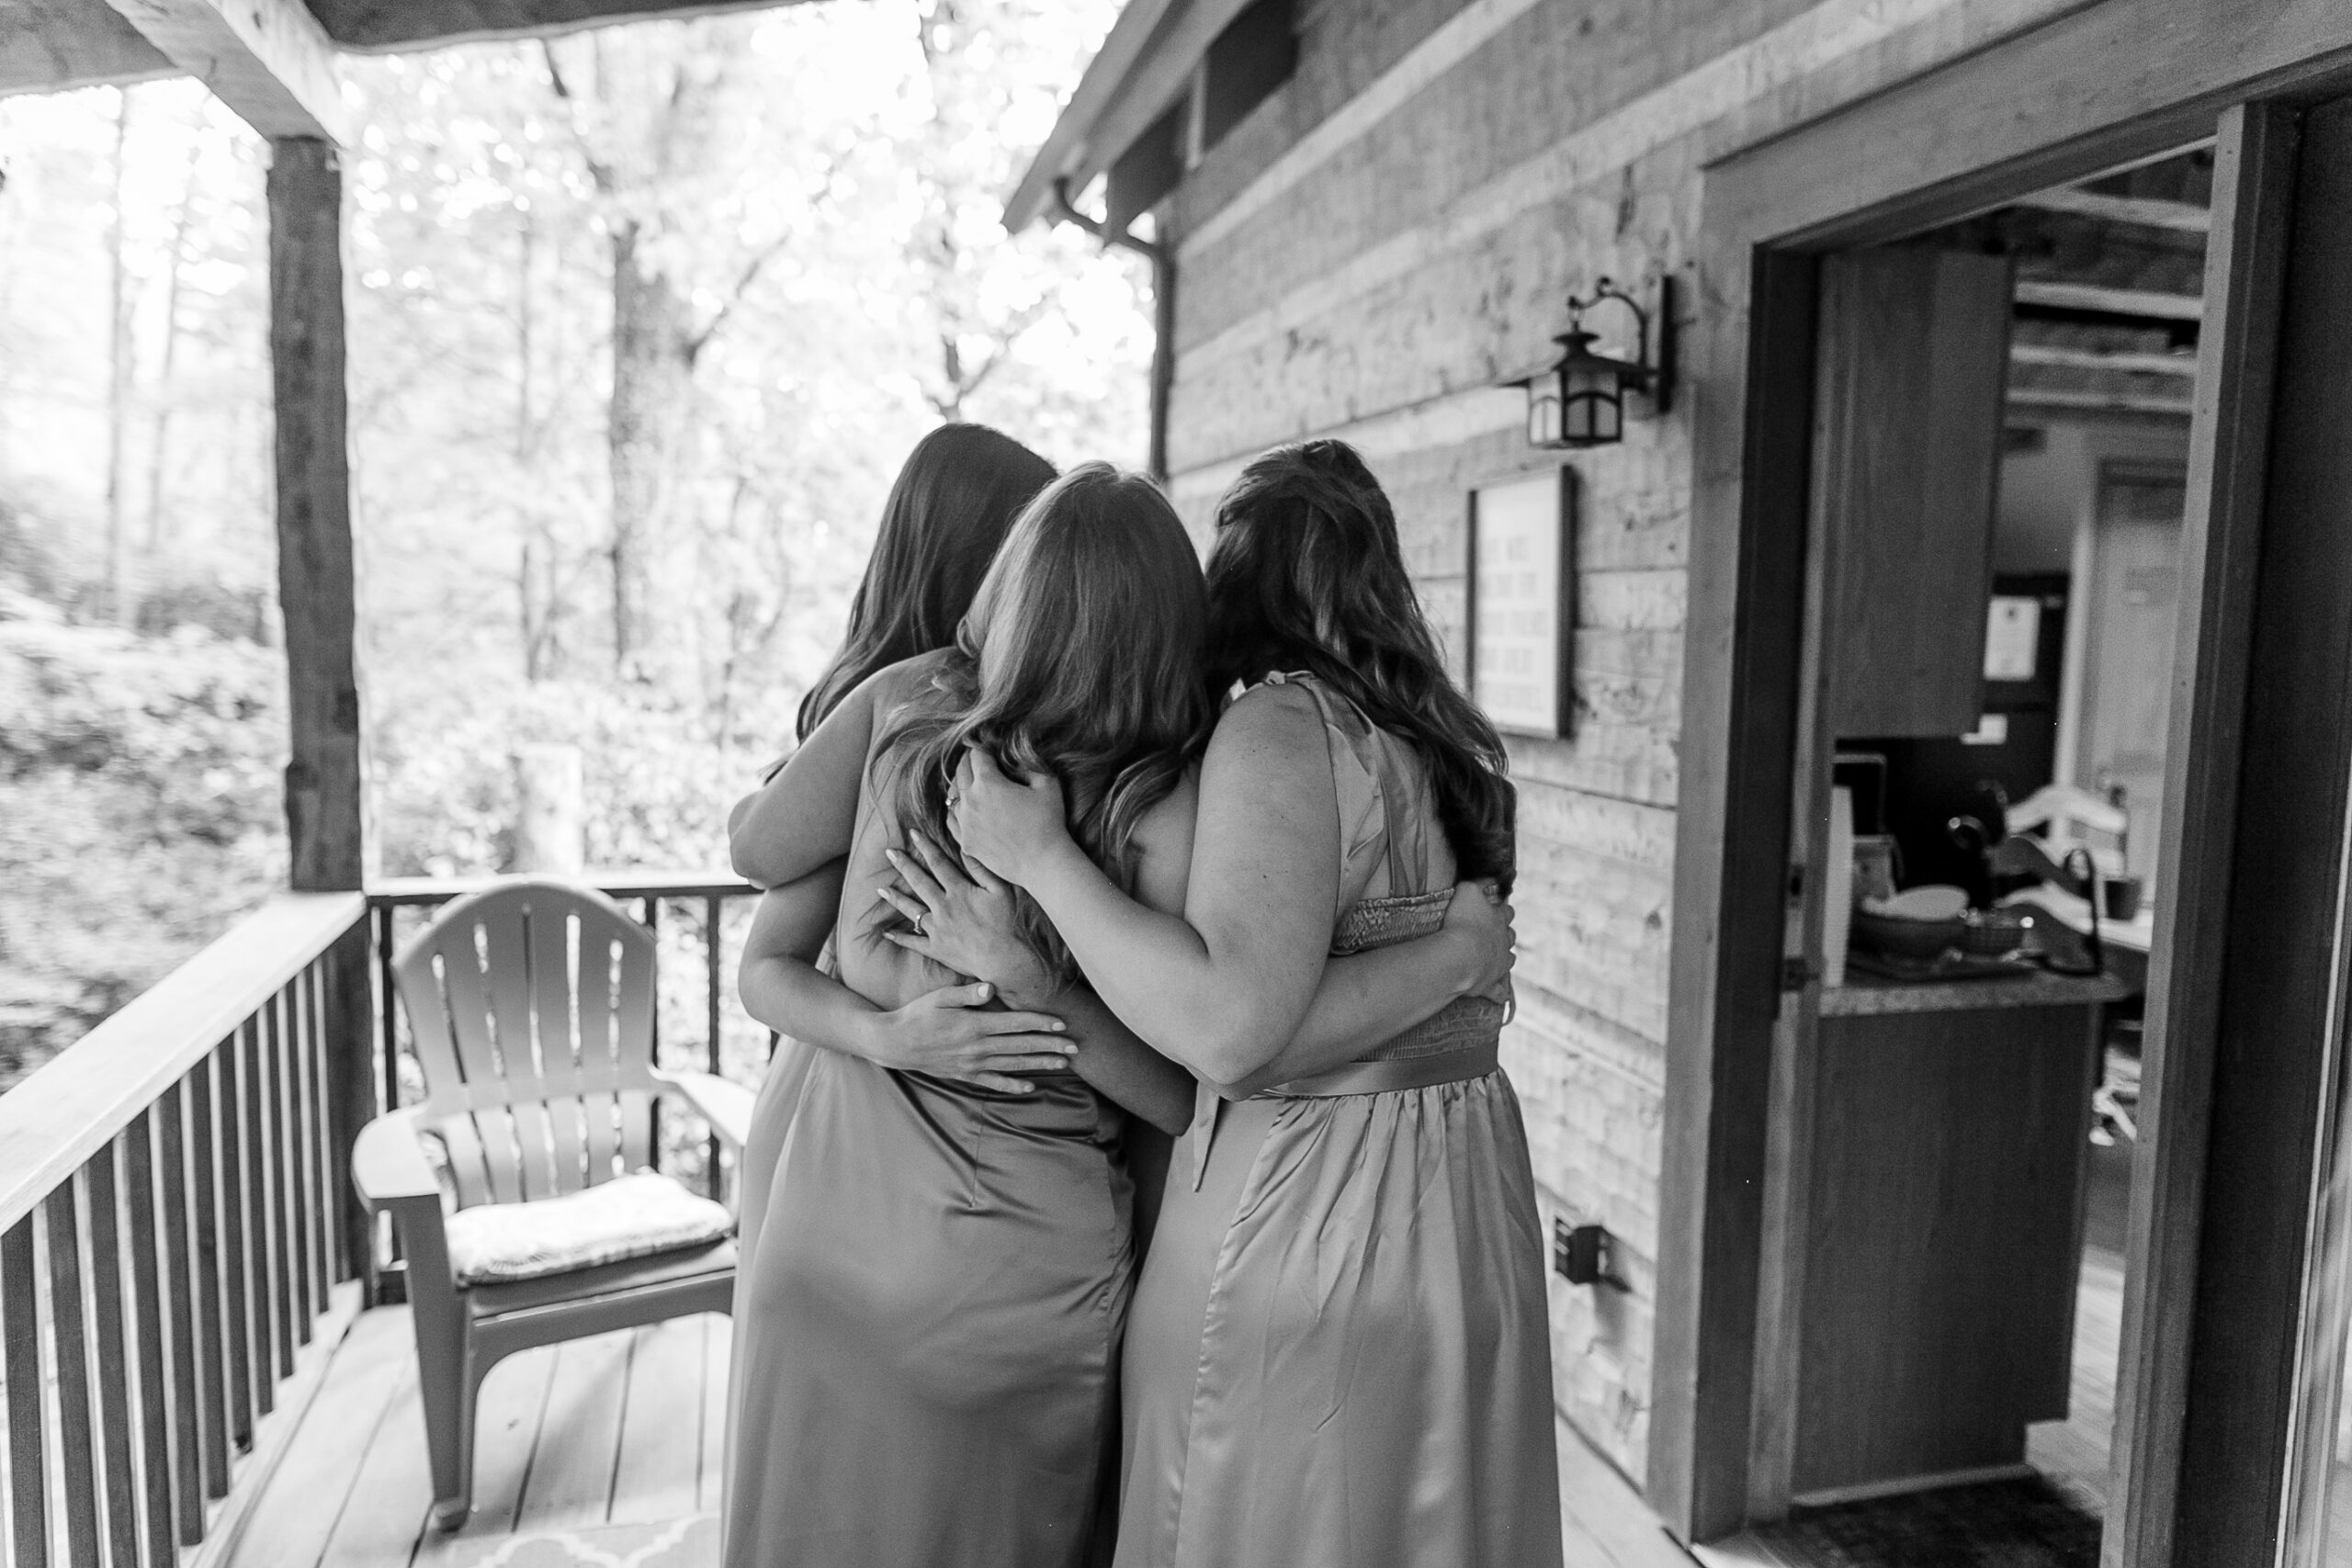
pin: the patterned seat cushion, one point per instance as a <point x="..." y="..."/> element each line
<point x="629" y="1216"/>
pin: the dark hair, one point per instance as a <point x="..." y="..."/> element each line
<point x="949" y="510"/>
<point x="1307" y="574"/>
<point x="1081" y="656"/>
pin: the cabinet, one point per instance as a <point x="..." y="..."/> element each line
<point x="1909" y="389"/>
<point x="1945" y="1190"/>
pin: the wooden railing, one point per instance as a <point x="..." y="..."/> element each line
<point x="174" y="1265"/>
<point x="179" y="1247"/>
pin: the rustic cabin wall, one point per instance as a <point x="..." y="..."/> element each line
<point x="1365" y="256"/>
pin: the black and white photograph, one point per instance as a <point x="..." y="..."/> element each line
<point x="1175" y="784"/>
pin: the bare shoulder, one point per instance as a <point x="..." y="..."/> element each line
<point x="894" y="683"/>
<point x="1271" y="729"/>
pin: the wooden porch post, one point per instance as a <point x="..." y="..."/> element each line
<point x="316" y="590"/>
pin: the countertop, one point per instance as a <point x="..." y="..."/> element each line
<point x="1864" y="994"/>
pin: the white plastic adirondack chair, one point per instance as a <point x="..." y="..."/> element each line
<point x="532" y="1007"/>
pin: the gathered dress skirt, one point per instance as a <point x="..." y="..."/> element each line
<point x="928" y="1322"/>
<point x="1338" y="1355"/>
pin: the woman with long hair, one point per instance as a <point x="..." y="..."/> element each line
<point x="1338" y="1355"/>
<point x="928" y="1331"/>
<point x="949" y="509"/>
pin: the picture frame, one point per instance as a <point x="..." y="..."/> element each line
<point x="1520" y="603"/>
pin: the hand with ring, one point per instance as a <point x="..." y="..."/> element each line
<point x="966" y="918"/>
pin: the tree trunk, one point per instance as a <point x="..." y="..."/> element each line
<point x="117" y="379"/>
<point x="649" y="434"/>
<point x="159" y="439"/>
<point x="550" y="827"/>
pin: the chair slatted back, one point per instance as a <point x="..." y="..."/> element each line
<point x="532" y="1007"/>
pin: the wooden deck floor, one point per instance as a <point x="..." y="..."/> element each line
<point x="600" y="1450"/>
<point x="607" y="1452"/>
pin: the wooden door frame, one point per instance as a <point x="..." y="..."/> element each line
<point x="2118" y="81"/>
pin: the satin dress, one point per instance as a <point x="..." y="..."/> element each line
<point x="929" y="1313"/>
<point x="1338" y="1355"/>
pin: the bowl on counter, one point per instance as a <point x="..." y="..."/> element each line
<point x="1919" y="923"/>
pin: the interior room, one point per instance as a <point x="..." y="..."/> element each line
<point x="1994" y="667"/>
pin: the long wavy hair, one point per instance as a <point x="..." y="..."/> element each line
<point x="948" y="512"/>
<point x="1081" y="656"/>
<point x="1306" y="573"/>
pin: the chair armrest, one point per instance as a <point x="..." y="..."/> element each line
<point x="727" y="1106"/>
<point x="388" y="1166"/>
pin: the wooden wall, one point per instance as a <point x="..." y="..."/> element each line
<point x="1364" y="256"/>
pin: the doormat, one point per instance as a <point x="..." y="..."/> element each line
<point x="690" y="1543"/>
<point x="2026" y="1523"/>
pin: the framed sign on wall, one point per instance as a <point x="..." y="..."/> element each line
<point x="1522" y="603"/>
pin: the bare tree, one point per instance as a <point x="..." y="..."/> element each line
<point x="649" y="125"/>
<point x="159" y="438"/>
<point x="118" y="349"/>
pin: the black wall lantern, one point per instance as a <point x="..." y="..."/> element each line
<point x="1580" y="401"/>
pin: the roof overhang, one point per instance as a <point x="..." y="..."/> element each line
<point x="1143" y="68"/>
<point x="273" y="61"/>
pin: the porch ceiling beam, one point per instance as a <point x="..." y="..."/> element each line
<point x="381" y="26"/>
<point x="268" y="59"/>
<point x="2186" y="217"/>
<point x="2112" y="302"/>
<point x="2181" y="364"/>
<point x="47" y="46"/>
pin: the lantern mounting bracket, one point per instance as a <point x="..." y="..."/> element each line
<point x="1579" y="401"/>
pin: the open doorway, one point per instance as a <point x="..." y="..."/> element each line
<point x="2005" y="410"/>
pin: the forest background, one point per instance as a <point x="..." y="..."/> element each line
<point x="642" y="323"/>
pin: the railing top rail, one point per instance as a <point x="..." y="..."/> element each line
<point x="67" y="1110"/>
<point x="414" y="890"/>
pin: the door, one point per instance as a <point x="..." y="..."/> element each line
<point x="2133" y="610"/>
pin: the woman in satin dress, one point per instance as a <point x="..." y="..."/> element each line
<point x="949" y="508"/>
<point x="928" y="1322"/>
<point x="1338" y="1355"/>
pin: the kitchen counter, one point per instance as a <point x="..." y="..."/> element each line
<point x="1870" y="994"/>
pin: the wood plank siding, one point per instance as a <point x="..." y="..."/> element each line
<point x="1382" y="240"/>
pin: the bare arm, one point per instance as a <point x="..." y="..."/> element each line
<point x="804" y="816"/>
<point x="945" y="1032"/>
<point x="1367" y="997"/>
<point x="964" y="918"/>
<point x="1226" y="985"/>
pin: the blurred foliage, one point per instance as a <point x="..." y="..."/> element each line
<point x="139" y="811"/>
<point x="841" y="273"/>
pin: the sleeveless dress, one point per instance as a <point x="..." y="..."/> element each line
<point x="1338" y="1355"/>
<point x="928" y="1310"/>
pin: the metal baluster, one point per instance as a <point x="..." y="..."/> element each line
<point x="159" y="1463"/>
<point x="390" y="1003"/>
<point x="113" y="1349"/>
<point x="710" y="930"/>
<point x="27" y="1456"/>
<point x="67" y="1324"/>
<point x="652" y="917"/>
